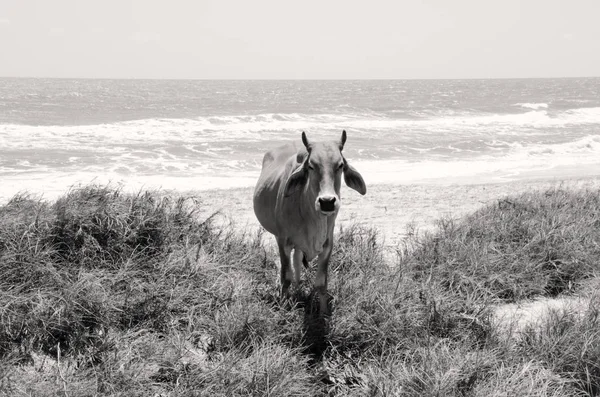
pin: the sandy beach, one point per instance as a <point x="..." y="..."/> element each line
<point x="394" y="209"/>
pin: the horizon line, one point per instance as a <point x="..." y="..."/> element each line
<point x="297" y="79"/>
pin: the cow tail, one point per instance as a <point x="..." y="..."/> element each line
<point x="304" y="261"/>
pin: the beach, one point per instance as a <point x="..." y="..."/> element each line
<point x="395" y="210"/>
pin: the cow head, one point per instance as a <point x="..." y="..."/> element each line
<point x="320" y="173"/>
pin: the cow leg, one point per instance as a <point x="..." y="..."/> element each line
<point x="321" y="278"/>
<point x="285" y="249"/>
<point x="298" y="256"/>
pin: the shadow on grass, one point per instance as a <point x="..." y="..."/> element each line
<point x="315" y="328"/>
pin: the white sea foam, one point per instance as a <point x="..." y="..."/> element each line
<point x="226" y="151"/>
<point x="534" y="106"/>
<point x="194" y="134"/>
<point x="581" y="155"/>
<point x="267" y="127"/>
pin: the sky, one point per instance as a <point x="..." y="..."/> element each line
<point x="309" y="39"/>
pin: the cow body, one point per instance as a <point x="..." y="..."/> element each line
<point x="297" y="199"/>
<point x="291" y="218"/>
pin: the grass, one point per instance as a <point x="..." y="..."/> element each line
<point x="106" y="293"/>
<point x="540" y="243"/>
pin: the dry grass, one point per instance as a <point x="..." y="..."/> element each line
<point x="105" y="293"/>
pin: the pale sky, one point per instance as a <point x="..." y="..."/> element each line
<point x="309" y="39"/>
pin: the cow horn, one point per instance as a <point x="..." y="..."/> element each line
<point x="306" y="142"/>
<point x="343" y="140"/>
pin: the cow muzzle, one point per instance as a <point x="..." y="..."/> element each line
<point x="327" y="205"/>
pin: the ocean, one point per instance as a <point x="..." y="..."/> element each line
<point x="196" y="134"/>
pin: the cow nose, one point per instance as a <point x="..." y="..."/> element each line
<point x="327" y="203"/>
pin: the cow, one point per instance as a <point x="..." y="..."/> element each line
<point x="297" y="199"/>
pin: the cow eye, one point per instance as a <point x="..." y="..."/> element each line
<point x="340" y="166"/>
<point x="310" y="166"/>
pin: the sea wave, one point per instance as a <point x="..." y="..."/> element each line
<point x="269" y="126"/>
<point x="225" y="146"/>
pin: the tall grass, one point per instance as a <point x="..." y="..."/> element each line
<point x="539" y="243"/>
<point x="106" y="293"/>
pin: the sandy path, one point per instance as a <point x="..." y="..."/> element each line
<point x="391" y="208"/>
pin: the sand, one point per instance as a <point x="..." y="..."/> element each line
<point x="392" y="209"/>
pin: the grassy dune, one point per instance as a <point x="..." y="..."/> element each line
<point x="106" y="293"/>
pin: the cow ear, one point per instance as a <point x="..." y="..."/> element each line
<point x="354" y="179"/>
<point x="301" y="157"/>
<point x="296" y="181"/>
